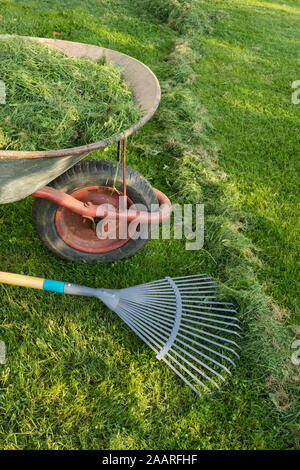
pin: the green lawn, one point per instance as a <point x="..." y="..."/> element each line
<point x="76" y="376"/>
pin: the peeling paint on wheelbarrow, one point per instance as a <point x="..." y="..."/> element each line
<point x="23" y="173"/>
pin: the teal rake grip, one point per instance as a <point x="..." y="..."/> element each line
<point x="54" y="286"/>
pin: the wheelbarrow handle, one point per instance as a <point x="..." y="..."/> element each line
<point x="92" y="210"/>
<point x="32" y="282"/>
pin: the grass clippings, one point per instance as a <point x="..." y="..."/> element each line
<point x="55" y="101"/>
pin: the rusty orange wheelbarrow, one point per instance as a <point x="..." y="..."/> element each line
<point x="76" y="200"/>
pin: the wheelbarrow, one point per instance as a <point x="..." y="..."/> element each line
<point x="73" y="197"/>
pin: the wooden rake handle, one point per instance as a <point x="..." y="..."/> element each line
<point x="32" y="282"/>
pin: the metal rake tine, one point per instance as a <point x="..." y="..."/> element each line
<point x="206" y="314"/>
<point x="161" y="328"/>
<point x="156" y="298"/>
<point x="196" y="285"/>
<point x="187" y="318"/>
<point x="211" y="302"/>
<point x="210" y="308"/>
<point x="216" y="328"/>
<point x="153" y="283"/>
<point x="207" y="348"/>
<point x="184" y="291"/>
<point x="200" y="297"/>
<point x="214" y="336"/>
<point x="167" y="306"/>
<point x="199" y="313"/>
<point x="154" y="289"/>
<point x="186" y="305"/>
<point x="184" y="379"/>
<point x="195" y="295"/>
<point x="149" y="286"/>
<point x="131" y="320"/>
<point x="189" y="372"/>
<point x="199" y="362"/>
<point x="196" y="368"/>
<point x="201" y="280"/>
<point x="159" y="297"/>
<point x="141" y="336"/>
<point x="217" y="363"/>
<point x="166" y="313"/>
<point x="140" y="309"/>
<point x="143" y="314"/>
<point x="191" y="276"/>
<point x="157" y="304"/>
<point x="154" y="312"/>
<point x="196" y="299"/>
<point x="208" y="341"/>
<point x="156" y="307"/>
<point x="203" y="296"/>
<point x="152" y="327"/>
<point x="193" y="290"/>
<point x="144" y="336"/>
<point x="160" y="331"/>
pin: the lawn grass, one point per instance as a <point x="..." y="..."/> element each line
<point x="76" y="376"/>
<point x="245" y="81"/>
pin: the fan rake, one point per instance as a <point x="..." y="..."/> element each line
<point x="179" y="318"/>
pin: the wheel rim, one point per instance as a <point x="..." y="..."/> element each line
<point x="79" y="232"/>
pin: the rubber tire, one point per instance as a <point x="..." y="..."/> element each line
<point x="91" y="173"/>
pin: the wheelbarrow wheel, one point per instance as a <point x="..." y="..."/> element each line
<point x="73" y="237"/>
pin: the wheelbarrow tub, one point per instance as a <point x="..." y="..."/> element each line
<point x="22" y="173"/>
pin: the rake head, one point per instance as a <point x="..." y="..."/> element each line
<point x="185" y="325"/>
<point x="179" y="318"/>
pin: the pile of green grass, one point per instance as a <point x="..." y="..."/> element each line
<point x="56" y="101"/>
<point x="182" y="16"/>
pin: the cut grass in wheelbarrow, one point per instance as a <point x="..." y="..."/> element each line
<point x="56" y="101"/>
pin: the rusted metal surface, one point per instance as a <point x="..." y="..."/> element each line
<point x="23" y="172"/>
<point x="81" y="233"/>
<point x="93" y="210"/>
